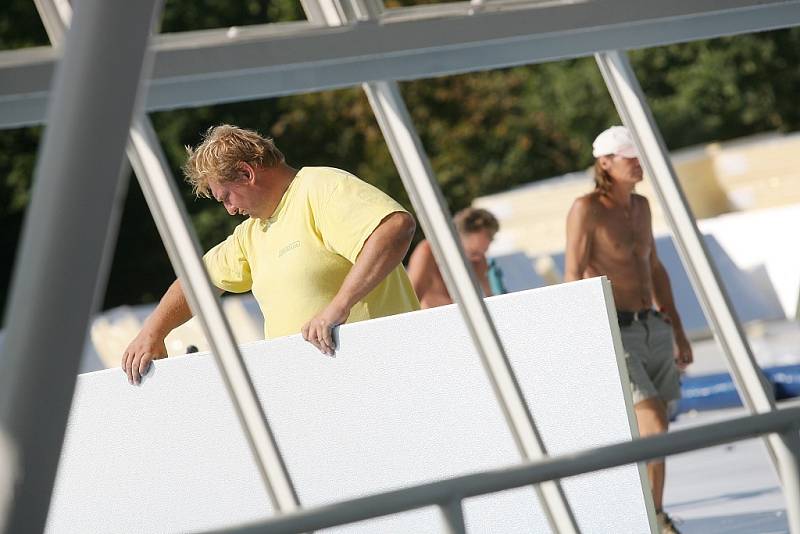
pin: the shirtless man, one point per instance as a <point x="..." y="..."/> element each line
<point x="477" y="228"/>
<point x="609" y="233"/>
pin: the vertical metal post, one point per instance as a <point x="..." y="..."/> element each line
<point x="635" y="113"/>
<point x="56" y="274"/>
<point x="426" y="196"/>
<point x="163" y="199"/>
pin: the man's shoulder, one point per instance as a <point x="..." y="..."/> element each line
<point x="641" y="199"/>
<point x="324" y="181"/>
<point x="240" y="237"/>
<point x="321" y="175"/>
<point x="588" y="203"/>
<point x="244" y="229"/>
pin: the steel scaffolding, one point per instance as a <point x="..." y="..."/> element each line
<point x="91" y="111"/>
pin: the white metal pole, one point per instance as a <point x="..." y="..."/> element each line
<point x="434" y="215"/>
<point x="55" y="284"/>
<point x="149" y="162"/>
<point x="422" y="41"/>
<point x="635" y="113"/>
<point x="426" y="196"/>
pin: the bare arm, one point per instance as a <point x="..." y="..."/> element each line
<point x="381" y="253"/>
<point x="664" y="301"/>
<point x="579" y="239"/>
<point x="420" y="266"/>
<point x="148" y="345"/>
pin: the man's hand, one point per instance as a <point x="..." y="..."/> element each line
<point x="144" y="348"/>
<point x="381" y="253"/>
<point x="683" y="351"/>
<point x="319" y="330"/>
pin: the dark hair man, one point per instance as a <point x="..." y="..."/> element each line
<point x="476" y="228"/>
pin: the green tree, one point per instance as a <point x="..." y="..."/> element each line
<point x="723" y="88"/>
<point x="484" y="132"/>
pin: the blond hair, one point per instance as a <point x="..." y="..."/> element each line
<point x="223" y="149"/>
<point x="602" y="180"/>
<point x="471" y="220"/>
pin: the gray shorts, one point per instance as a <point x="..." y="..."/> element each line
<point x="648" y="345"/>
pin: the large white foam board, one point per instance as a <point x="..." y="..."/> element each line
<point x="405" y="400"/>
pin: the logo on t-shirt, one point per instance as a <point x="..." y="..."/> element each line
<point x="288" y="248"/>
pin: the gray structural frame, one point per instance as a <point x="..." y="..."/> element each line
<point x="234" y="64"/>
<point x="426" y="196"/>
<point x="59" y="281"/>
<point x="451" y="38"/>
<point x="784" y="449"/>
<point x="495" y="480"/>
<point x="174" y="226"/>
<point x="434" y="215"/>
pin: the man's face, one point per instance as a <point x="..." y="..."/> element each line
<point x="622" y="169"/>
<point x="236" y="196"/>
<point x="476" y="244"/>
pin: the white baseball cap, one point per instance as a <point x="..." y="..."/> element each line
<point x="616" y="140"/>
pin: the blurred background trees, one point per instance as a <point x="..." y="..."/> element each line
<point x="484" y="132"/>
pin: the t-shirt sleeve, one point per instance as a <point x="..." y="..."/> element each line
<point x="227" y="265"/>
<point x="348" y="212"/>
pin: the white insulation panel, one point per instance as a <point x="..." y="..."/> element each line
<point x="405" y="400"/>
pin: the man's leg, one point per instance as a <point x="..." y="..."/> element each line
<point x="651" y="415"/>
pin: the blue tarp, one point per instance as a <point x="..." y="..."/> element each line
<point x="711" y="392"/>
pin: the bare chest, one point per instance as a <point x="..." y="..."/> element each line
<point x="621" y="234"/>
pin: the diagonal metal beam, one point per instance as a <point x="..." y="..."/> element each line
<point x="62" y="263"/>
<point x="429" y="203"/>
<point x="214" y="66"/>
<point x="415" y="171"/>
<point x="174" y="226"/>
<point x="572" y="464"/>
<point x="750" y="382"/>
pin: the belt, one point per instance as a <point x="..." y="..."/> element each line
<point x="626" y="318"/>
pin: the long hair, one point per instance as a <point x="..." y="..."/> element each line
<point x="602" y="180"/>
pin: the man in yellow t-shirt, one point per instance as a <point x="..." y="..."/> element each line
<point x="320" y="247"/>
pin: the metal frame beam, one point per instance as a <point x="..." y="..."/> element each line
<point x="496" y="480"/>
<point x="751" y="385"/>
<point x="174" y="226"/>
<point x="426" y="196"/>
<point x="221" y="66"/>
<point x="63" y="261"/>
<point x="216" y="66"/>
<point x="434" y="215"/>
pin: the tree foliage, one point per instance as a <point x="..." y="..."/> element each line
<point x="484" y="132"/>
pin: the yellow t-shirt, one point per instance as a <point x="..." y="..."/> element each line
<point x="295" y="261"/>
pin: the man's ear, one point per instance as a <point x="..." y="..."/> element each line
<point x="246" y="172"/>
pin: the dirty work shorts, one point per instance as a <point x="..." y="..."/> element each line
<point x="648" y="345"/>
